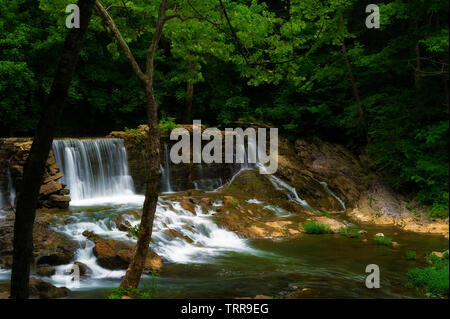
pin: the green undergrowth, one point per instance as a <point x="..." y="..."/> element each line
<point x="434" y="279"/>
<point x="383" y="241"/>
<point x="317" y="228"/>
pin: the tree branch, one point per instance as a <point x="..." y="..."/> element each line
<point x="104" y="15"/>
<point x="155" y="40"/>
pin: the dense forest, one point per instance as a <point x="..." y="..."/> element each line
<point x="311" y="68"/>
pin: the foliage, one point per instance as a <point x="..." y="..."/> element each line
<point x="167" y="124"/>
<point x="383" y="241"/>
<point x="134" y="231"/>
<point x="411" y="255"/>
<point x="149" y="290"/>
<point x="433" y="279"/>
<point x="282" y="67"/>
<point x="350" y="233"/>
<point x="317" y="228"/>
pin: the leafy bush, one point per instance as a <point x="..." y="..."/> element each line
<point x="432" y="279"/>
<point x="167" y="124"/>
<point x="316" y="228"/>
<point x="411" y="255"/>
<point x="350" y="233"/>
<point x="134" y="231"/>
<point x="383" y="241"/>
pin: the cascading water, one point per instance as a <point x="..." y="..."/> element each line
<point x="2" y="204"/>
<point x="96" y="172"/>
<point x="94" y="168"/>
<point x="166" y="185"/>
<point x="11" y="189"/>
<point x="329" y="192"/>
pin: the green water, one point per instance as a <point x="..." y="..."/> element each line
<point x="331" y="265"/>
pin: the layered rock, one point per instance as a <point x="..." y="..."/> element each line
<point x="49" y="247"/>
<point x="13" y="154"/>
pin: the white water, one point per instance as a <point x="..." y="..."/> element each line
<point x="93" y="168"/>
<point x="96" y="172"/>
<point x="166" y="183"/>
<point x="2" y="204"/>
<point x="2" y="201"/>
<point x="329" y="192"/>
<point x="11" y="189"/>
<point x="280" y="184"/>
<point x="208" y="240"/>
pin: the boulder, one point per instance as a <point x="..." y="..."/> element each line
<point x="228" y="200"/>
<point x="115" y="254"/>
<point x="437" y="254"/>
<point x="188" y="205"/>
<point x="174" y="234"/>
<point x="46" y="290"/>
<point x="45" y="271"/>
<point x="84" y="269"/>
<point x="121" y="223"/>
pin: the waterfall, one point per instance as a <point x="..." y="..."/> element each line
<point x="11" y="189"/>
<point x="94" y="168"/>
<point x="2" y="201"/>
<point x="165" y="176"/>
<point x="292" y="192"/>
<point x="329" y="192"/>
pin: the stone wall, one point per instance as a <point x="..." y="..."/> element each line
<point x="13" y="153"/>
<point x="183" y="176"/>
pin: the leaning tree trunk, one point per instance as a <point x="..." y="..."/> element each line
<point x="40" y="149"/>
<point x="137" y="265"/>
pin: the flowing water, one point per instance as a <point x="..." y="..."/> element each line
<point x="208" y="261"/>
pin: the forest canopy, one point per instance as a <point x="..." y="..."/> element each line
<point x="292" y="64"/>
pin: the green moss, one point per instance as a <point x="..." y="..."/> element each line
<point x="432" y="279"/>
<point x="350" y="233"/>
<point x="316" y="228"/>
<point x="383" y="241"/>
<point x="235" y="204"/>
<point x="411" y="255"/>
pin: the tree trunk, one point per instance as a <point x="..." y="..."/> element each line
<point x="190" y="97"/>
<point x="362" y="115"/>
<point x="40" y="149"/>
<point x="136" y="267"/>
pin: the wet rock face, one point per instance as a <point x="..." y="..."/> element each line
<point x="50" y="248"/>
<point x="115" y="254"/>
<point x="333" y="164"/>
<point x="183" y="176"/>
<point x="46" y="290"/>
<point x="13" y="154"/>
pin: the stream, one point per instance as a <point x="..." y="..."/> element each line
<point x="215" y="262"/>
